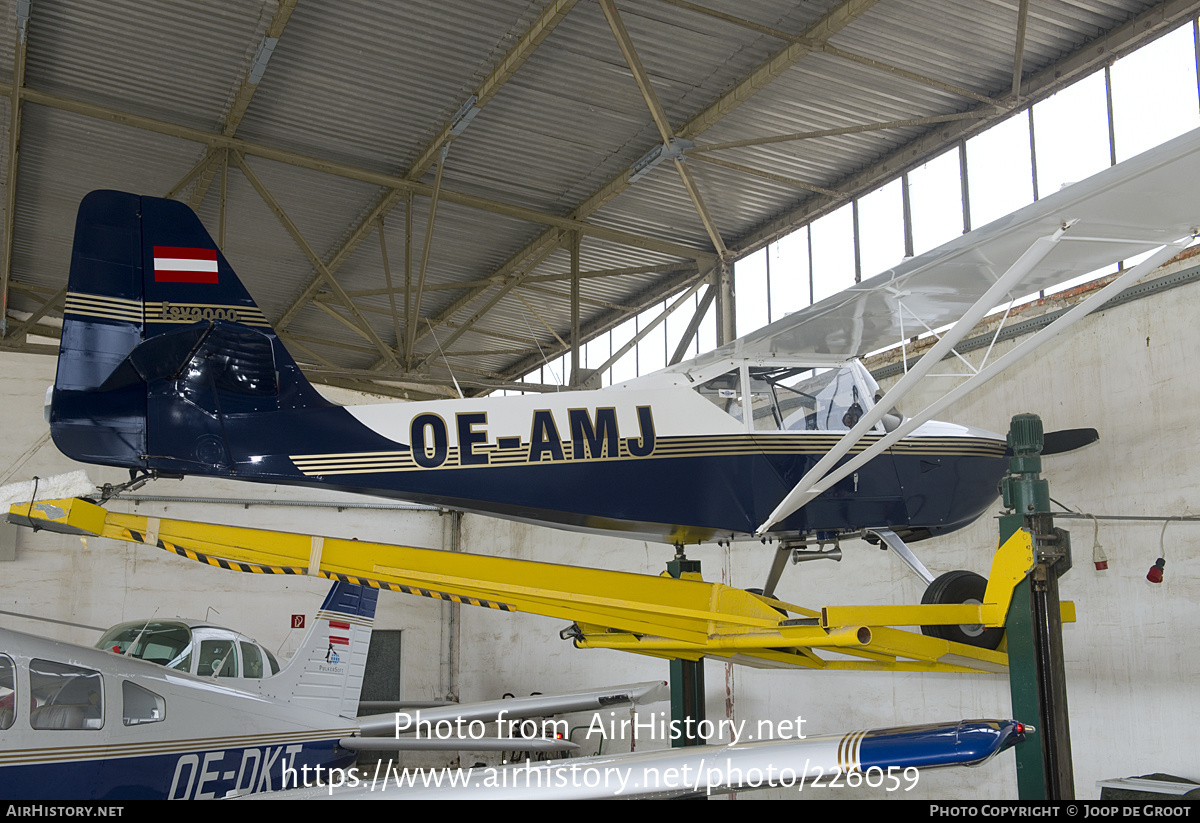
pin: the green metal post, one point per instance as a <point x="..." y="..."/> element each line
<point x="687" y="678"/>
<point x="1036" y="671"/>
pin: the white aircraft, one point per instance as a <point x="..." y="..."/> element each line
<point x="80" y="723"/>
<point x="885" y="759"/>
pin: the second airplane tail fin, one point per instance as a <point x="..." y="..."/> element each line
<point x="327" y="671"/>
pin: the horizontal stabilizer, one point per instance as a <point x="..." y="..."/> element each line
<point x="158" y="358"/>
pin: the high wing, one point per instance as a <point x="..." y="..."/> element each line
<point x="880" y="758"/>
<point x="1150" y="203"/>
<point x="1139" y="205"/>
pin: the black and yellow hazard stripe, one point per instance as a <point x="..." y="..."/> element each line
<point x="433" y="593"/>
<point x="260" y="568"/>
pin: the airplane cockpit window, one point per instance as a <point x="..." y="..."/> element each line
<point x="830" y="401"/>
<point x="252" y="662"/>
<point x="218" y="658"/>
<point x="65" y="696"/>
<point x="8" y="692"/>
<point x="141" y="705"/>
<point x="790" y="398"/>
<point x="201" y="649"/>
<point x="164" y="643"/>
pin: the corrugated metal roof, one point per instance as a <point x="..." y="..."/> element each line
<point x="131" y="95"/>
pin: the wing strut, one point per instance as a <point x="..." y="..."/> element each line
<point x="819" y="478"/>
<point x="800" y="495"/>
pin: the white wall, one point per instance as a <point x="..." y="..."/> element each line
<point x="1131" y="673"/>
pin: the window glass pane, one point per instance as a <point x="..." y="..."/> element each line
<point x="999" y="170"/>
<point x="595" y="352"/>
<point x="706" y="335"/>
<point x="8" y="689"/>
<point x="625" y="368"/>
<point x="141" y="705"/>
<point x="833" y="252"/>
<point x="677" y="324"/>
<point x="790" y="288"/>
<point x="881" y="229"/>
<point x="65" y="696"/>
<point x="1071" y="134"/>
<point x="651" y="348"/>
<point x="750" y="286"/>
<point x="252" y="662"/>
<point x="935" y="196"/>
<point x="163" y="643"/>
<point x="1154" y="93"/>
<point x="217" y="657"/>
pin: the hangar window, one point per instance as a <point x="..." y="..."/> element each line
<point x="65" y="696"/>
<point x="141" y="705"/>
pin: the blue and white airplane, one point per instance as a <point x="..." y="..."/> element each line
<point x="182" y="711"/>
<point x="81" y="723"/>
<point x="131" y="720"/>
<point x="168" y="366"/>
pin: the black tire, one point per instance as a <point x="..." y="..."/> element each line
<point x="960" y="587"/>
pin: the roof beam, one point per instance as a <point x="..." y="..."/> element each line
<point x="540" y="278"/>
<point x="52" y="302"/>
<point x="1125" y="38"/>
<point x="554" y="13"/>
<point x="832" y="50"/>
<point x="833" y="22"/>
<point x="609" y="320"/>
<point x="14" y="145"/>
<point x="246" y="89"/>
<point x="1019" y="50"/>
<point x="508" y="286"/>
<point x="698" y="151"/>
<point x="830" y="24"/>
<point x="399" y="184"/>
<point x="292" y="229"/>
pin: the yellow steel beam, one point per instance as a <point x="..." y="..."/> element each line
<point x="659" y="616"/>
<point x="685" y="610"/>
<point x="1010" y="564"/>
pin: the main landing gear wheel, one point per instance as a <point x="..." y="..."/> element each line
<point x="954" y="588"/>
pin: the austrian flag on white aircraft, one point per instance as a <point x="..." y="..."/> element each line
<point x="337" y="624"/>
<point x="176" y="264"/>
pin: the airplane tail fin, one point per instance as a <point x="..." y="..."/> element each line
<point x="326" y="673"/>
<point x="158" y="326"/>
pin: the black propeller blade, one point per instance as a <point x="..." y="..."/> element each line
<point x="1065" y="440"/>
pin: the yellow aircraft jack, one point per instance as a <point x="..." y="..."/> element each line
<point x="659" y="616"/>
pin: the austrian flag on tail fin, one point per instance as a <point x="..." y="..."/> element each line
<point x="176" y="264"/>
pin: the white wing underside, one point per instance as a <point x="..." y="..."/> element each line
<point x="1124" y="211"/>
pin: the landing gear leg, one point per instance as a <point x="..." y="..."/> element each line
<point x="902" y="551"/>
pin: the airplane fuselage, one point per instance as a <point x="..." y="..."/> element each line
<point x="83" y="724"/>
<point x="211" y="390"/>
<point x="658" y="464"/>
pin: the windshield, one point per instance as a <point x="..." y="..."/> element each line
<point x="167" y="644"/>
<point x="794" y="398"/>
